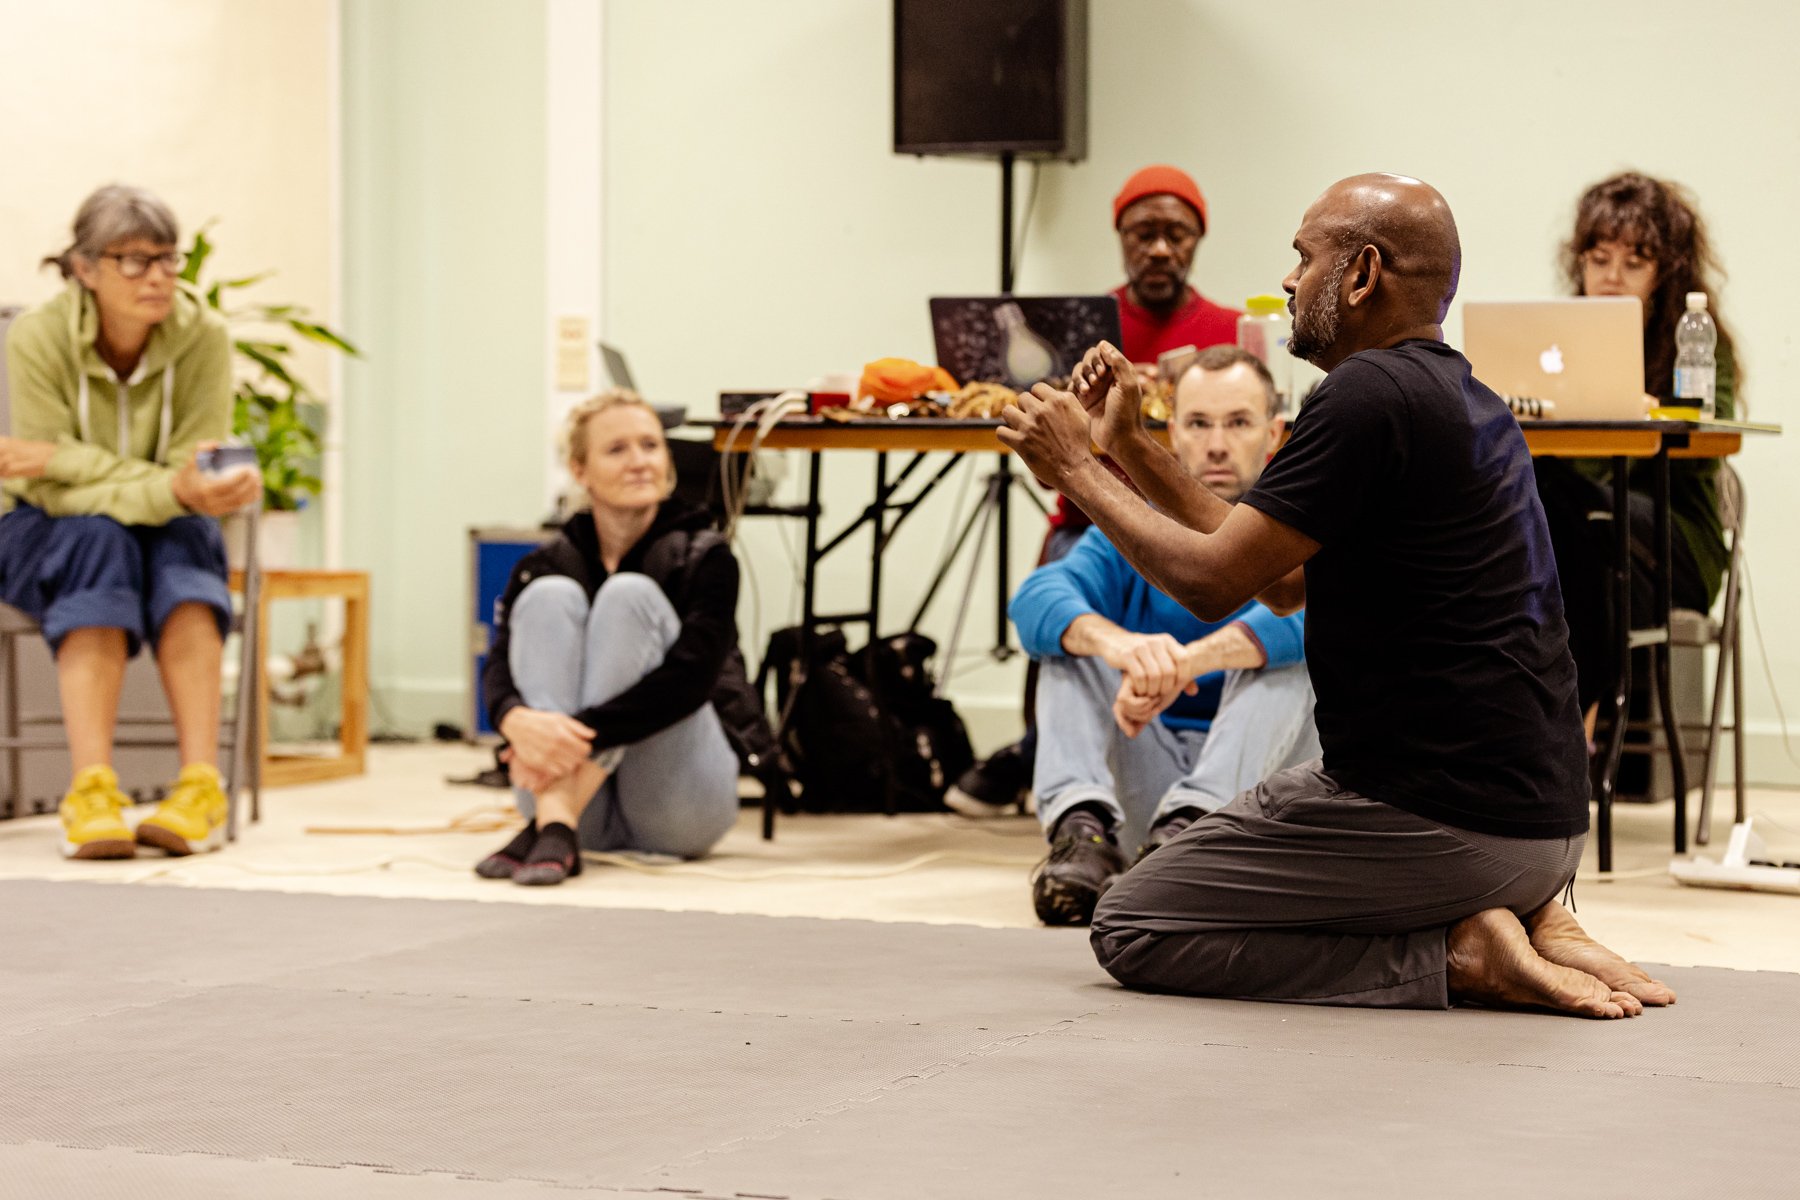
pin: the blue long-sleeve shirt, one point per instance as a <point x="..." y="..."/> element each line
<point x="1095" y="578"/>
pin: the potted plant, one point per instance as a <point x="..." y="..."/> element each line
<point x="273" y="410"/>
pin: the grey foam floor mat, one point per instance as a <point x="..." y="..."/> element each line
<point x="162" y="1041"/>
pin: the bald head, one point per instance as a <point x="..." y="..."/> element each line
<point x="1408" y="221"/>
<point x="1379" y="260"/>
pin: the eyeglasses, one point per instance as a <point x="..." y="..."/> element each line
<point x="1145" y="234"/>
<point x="134" y="266"/>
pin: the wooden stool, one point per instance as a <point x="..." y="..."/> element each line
<point x="352" y="587"/>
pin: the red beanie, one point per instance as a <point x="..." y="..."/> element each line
<point x="1160" y="180"/>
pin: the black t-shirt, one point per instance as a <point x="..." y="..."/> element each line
<point x="1434" y="622"/>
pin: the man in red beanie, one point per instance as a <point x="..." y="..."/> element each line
<point x="1160" y="217"/>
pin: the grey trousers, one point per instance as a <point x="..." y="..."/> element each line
<point x="675" y="792"/>
<point x="1264" y="723"/>
<point x="1299" y="890"/>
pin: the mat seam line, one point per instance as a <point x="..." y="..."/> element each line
<point x="22" y="1031"/>
<point x="607" y="1005"/>
<point x="1396" y="1058"/>
<point x="371" y="1168"/>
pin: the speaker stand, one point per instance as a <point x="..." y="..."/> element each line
<point x="1006" y="222"/>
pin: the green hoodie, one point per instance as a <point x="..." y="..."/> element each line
<point x="117" y="458"/>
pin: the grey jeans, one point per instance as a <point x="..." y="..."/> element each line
<point x="1300" y="890"/>
<point x="1264" y="723"/>
<point x="675" y="792"/>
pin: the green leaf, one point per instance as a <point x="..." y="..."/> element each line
<point x="198" y="253"/>
<point x="323" y="336"/>
<point x="246" y="281"/>
<point x="269" y="364"/>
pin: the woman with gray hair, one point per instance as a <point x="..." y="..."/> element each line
<point x="614" y="656"/>
<point x="110" y="539"/>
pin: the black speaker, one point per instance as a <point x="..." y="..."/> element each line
<point x="986" y="77"/>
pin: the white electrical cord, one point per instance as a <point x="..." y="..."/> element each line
<point x="766" y="414"/>
<point x="734" y="487"/>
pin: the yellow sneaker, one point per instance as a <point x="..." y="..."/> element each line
<point x="192" y="818"/>
<point x="93" y="826"/>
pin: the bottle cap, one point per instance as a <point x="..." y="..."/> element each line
<point x="1263" y="306"/>
<point x="1696" y="301"/>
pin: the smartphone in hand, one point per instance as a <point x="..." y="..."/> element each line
<point x="225" y="460"/>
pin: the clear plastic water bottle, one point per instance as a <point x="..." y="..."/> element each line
<point x="1264" y="330"/>
<point x="1696" y="367"/>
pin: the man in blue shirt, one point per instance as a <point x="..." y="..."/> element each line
<point x="1149" y="717"/>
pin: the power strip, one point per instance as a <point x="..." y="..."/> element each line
<point x="1746" y="867"/>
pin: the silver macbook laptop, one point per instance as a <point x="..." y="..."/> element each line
<point x="1578" y="359"/>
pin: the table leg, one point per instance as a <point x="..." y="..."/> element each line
<point x="264" y="595"/>
<point x="354" y="736"/>
<point x="808" y="600"/>
<point x="878" y="544"/>
<point x="1003" y="567"/>
<point x="1621" y="697"/>
<point x="1660" y="652"/>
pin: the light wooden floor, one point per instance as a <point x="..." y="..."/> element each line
<point x="933" y="868"/>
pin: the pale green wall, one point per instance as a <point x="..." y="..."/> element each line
<point x="443" y="243"/>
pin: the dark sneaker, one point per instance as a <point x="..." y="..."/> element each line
<point x="993" y="788"/>
<point x="1083" y="863"/>
<point x="1166" y="830"/>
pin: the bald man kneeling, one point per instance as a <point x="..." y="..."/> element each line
<point x="1418" y="862"/>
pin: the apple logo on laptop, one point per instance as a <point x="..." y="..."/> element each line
<point x="1551" y="360"/>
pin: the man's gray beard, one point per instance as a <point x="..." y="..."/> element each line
<point x="1316" y="328"/>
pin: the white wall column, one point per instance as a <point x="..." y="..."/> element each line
<point x="573" y="30"/>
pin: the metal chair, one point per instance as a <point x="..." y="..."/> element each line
<point x="238" y="736"/>
<point x="1694" y="630"/>
<point x="1697" y="629"/>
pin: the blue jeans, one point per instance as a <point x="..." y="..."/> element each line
<point x="1264" y="724"/>
<point x="69" y="573"/>
<point x="675" y="792"/>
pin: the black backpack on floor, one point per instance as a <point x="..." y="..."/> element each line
<point x="865" y="731"/>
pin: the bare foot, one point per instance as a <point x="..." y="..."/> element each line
<point x="1491" y="961"/>
<point x="1558" y="939"/>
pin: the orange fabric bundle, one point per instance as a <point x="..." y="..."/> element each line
<point x="895" y="380"/>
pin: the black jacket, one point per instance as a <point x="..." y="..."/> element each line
<point x="695" y="568"/>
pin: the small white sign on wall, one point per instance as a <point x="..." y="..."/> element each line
<point x="574" y="354"/>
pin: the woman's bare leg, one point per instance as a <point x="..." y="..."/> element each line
<point x="90" y="674"/>
<point x="189" y="654"/>
<point x="566" y="799"/>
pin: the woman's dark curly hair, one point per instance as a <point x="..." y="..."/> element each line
<point x="1658" y="220"/>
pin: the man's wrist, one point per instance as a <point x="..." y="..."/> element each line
<point x="1133" y="445"/>
<point x="1083" y="481"/>
<point x="1114" y="645"/>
